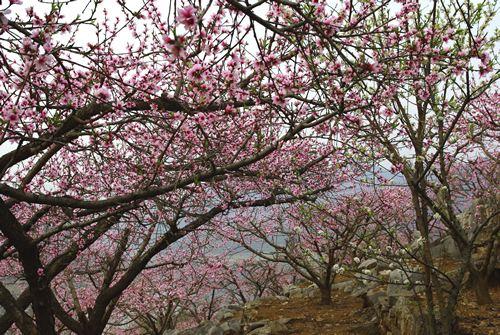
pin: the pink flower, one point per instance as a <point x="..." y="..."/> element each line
<point x="279" y="100"/>
<point x="47" y="47"/>
<point x="40" y="272"/>
<point x="386" y="111"/>
<point x="42" y="62"/>
<point x="374" y="67"/>
<point x="422" y="93"/>
<point x="175" y="46"/>
<point x="13" y="117"/>
<point x="103" y="93"/>
<point x="3" y="19"/>
<point x="485" y="58"/>
<point x="11" y="114"/>
<point x="432" y="78"/>
<point x="187" y="16"/>
<point x="196" y="73"/>
<point x="397" y="168"/>
<point x="484" y="69"/>
<point x="353" y="119"/>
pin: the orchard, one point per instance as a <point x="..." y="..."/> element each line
<point x="162" y="160"/>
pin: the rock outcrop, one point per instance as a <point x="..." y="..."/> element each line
<point x="235" y="320"/>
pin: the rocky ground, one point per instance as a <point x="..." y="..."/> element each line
<point x="377" y="299"/>
<point x="301" y="314"/>
<point x="479" y="320"/>
<point x="307" y="317"/>
<point x="346" y="316"/>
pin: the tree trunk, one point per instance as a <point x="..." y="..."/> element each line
<point x="481" y="289"/>
<point x="40" y="292"/>
<point x="448" y="314"/>
<point x="326" y="296"/>
<point x="421" y="214"/>
<point x="447" y="323"/>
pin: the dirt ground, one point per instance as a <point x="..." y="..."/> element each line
<point x="479" y="320"/>
<point x="347" y="317"/>
<point x="309" y="318"/>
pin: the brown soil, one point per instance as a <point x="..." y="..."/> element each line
<point x="479" y="320"/>
<point x="347" y="317"/>
<point x="344" y="316"/>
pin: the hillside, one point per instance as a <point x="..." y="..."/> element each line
<point x="348" y="317"/>
<point x="300" y="313"/>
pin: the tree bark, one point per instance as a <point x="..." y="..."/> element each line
<point x="325" y="296"/>
<point x="30" y="259"/>
<point x="421" y="222"/>
<point x="481" y="289"/>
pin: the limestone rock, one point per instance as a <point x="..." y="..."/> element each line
<point x="208" y="328"/>
<point x="171" y="332"/>
<point x="287" y="290"/>
<point x="345" y="286"/>
<point x="445" y="247"/>
<point x="231" y="327"/>
<point x="405" y="319"/>
<point x="281" y="298"/>
<point x="300" y="293"/>
<point x="383" y="264"/>
<point x="399" y="284"/>
<point x="254" y="325"/>
<point x="284" y="321"/>
<point x="384" y="274"/>
<point x="271" y="328"/>
<point x="363" y="289"/>
<point x="215" y="330"/>
<point x="368" y="264"/>
<point x="225" y="313"/>
<point x="377" y="298"/>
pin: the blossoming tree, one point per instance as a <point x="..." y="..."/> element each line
<point x="425" y="66"/>
<point x="318" y="240"/>
<point x="124" y="131"/>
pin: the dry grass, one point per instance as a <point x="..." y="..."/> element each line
<point x="479" y="320"/>
<point x="347" y="317"/>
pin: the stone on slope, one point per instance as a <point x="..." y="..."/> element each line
<point x="231" y="327"/>
<point x="272" y="328"/>
<point x="343" y="286"/>
<point x="368" y="264"/>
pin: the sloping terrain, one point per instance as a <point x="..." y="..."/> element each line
<point x="347" y="317"/>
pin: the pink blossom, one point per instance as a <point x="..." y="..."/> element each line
<point x="12" y="117"/>
<point x="42" y="62"/>
<point x="48" y="47"/>
<point x="196" y="73"/>
<point x="40" y="272"/>
<point x="397" y="168"/>
<point x="279" y="100"/>
<point x="103" y="93"/>
<point x="187" y="16"/>
<point x="484" y="69"/>
<point x="175" y="46"/>
<point x="353" y="119"/>
<point x="374" y="67"/>
<point x="485" y="58"/>
<point x="386" y="111"/>
<point x="432" y="78"/>
<point x="3" y="19"/>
